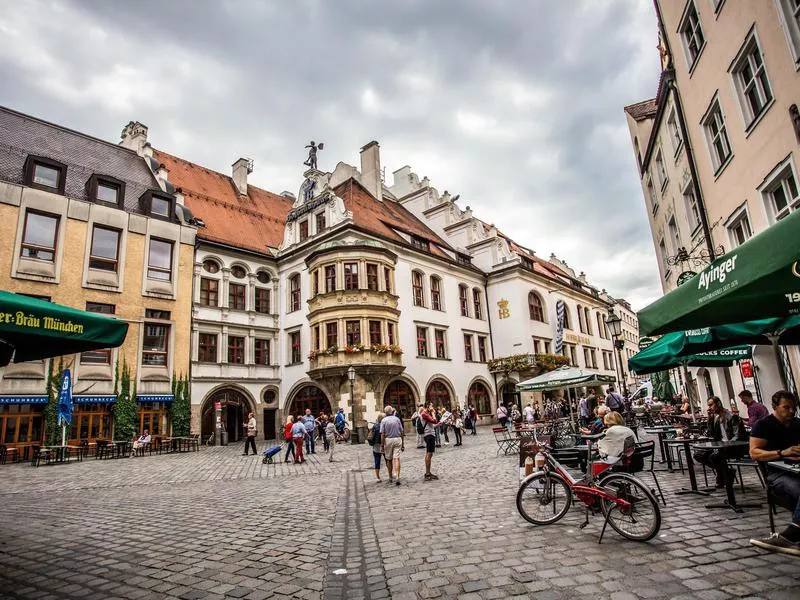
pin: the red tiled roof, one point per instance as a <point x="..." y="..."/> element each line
<point x="254" y="222"/>
<point x="642" y="110"/>
<point x="385" y="218"/>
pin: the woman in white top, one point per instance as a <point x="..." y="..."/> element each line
<point x="619" y="440"/>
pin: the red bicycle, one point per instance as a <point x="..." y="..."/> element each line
<point x="627" y="504"/>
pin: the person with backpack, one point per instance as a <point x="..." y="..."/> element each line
<point x="473" y="419"/>
<point x="374" y="440"/>
<point x="430" y="425"/>
<point x="415" y="421"/>
<point x="502" y="414"/>
<point x="614" y="401"/>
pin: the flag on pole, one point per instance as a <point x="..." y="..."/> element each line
<point x="65" y="399"/>
<point x="558" y="344"/>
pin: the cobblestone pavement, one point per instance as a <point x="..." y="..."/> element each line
<point x="215" y="524"/>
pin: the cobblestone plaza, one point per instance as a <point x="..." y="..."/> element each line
<point x="215" y="524"/>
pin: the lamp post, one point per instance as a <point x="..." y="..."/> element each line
<point x="614" y="324"/>
<point x="351" y="375"/>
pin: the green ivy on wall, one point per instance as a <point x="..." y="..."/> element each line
<point x="181" y="407"/>
<point x="125" y="421"/>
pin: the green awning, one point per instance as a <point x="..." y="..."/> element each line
<point x="32" y="329"/>
<point x="564" y="377"/>
<point x="759" y="279"/>
<point x="670" y="351"/>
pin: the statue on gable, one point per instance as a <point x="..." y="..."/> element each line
<point x="311" y="161"/>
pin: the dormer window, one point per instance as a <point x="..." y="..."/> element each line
<point x="105" y="190"/>
<point x="45" y="174"/>
<point x="157" y="204"/>
<point x="420" y="243"/>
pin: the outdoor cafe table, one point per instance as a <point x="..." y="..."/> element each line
<point x="62" y="453"/>
<point x="661" y="431"/>
<point x="726" y="450"/>
<point x="686" y="442"/>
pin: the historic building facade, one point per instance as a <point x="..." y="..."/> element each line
<point x="717" y="147"/>
<point x="86" y="223"/>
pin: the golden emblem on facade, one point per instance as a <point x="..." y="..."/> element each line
<point x="502" y="307"/>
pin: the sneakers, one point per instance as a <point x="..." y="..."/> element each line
<point x="777" y="543"/>
<point x="430" y="477"/>
<point x="397" y="482"/>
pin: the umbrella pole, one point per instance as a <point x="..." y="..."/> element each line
<point x="779" y="359"/>
<point x="686" y="389"/>
<point x="63" y="432"/>
<point x="571" y="418"/>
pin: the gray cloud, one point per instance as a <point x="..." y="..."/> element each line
<point x="515" y="105"/>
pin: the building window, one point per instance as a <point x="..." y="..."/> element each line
<point x="587" y="320"/>
<point x="262" y="303"/>
<point x="351" y="276"/>
<point x="674" y="234"/>
<point x="155" y="341"/>
<point x="263" y="277"/>
<point x="303" y="226"/>
<point x="674" y="131"/>
<point x="107" y="190"/>
<point x="600" y="326"/>
<point x="662" y="250"/>
<point x="750" y="78"/>
<point x="330" y="278"/>
<point x="211" y="266"/>
<point x="416" y="285"/>
<point x="39" y="236"/>
<point x="535" y="307"/>
<point x="481" y="348"/>
<point x="372" y="277"/>
<point x="567" y="324"/>
<point x="476" y="304"/>
<point x="159" y="260"/>
<point x="294" y="293"/>
<point x="420" y="243"/>
<point x="105" y="249"/>
<point x="651" y="195"/>
<point x="294" y="347"/>
<point x="237" y="294"/>
<point x="422" y="341"/>
<point x="463" y="259"/>
<point x="439" y="342"/>
<point x="98" y="357"/>
<point x="717" y="136"/>
<point x="332" y="335"/>
<point x="238" y="272"/>
<point x="320" y="221"/>
<point x="209" y="291"/>
<point x="160" y="206"/>
<point x="739" y="229"/>
<point x="207" y="347"/>
<point x="780" y="193"/>
<point x="692" y="207"/>
<point x="478" y="396"/>
<point x="661" y="173"/>
<point x="468" y="347"/>
<point x="235" y="350"/>
<point x="436" y="293"/>
<point x="352" y="331"/>
<point x="692" y="34"/>
<point x="45" y="174"/>
<point x="580" y="318"/>
<point x="261" y="352"/>
<point x="374" y="332"/>
<point x="463" y="300"/>
<point x="387" y="280"/>
<point x="156" y="204"/>
<point x="791" y="23"/>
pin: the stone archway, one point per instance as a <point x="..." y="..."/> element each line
<point x="440" y="393"/>
<point x="309" y="396"/>
<point x="234" y="404"/>
<point x="400" y="395"/>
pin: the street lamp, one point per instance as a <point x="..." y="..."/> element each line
<point x="351" y="375"/>
<point x="614" y="324"/>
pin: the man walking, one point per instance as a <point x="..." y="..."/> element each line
<point x="755" y="410"/>
<point x="310" y="423"/>
<point x="614" y="401"/>
<point x="393" y="442"/>
<point x="250" y="441"/>
<point x="429" y="435"/>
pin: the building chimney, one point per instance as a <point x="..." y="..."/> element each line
<point x="371" y="169"/>
<point x="241" y="169"/>
<point x="134" y="137"/>
<point x="162" y="176"/>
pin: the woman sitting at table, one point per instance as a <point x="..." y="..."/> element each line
<point x="619" y="440"/>
<point x="143" y="440"/>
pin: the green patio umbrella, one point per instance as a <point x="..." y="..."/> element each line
<point x="670" y="351"/>
<point x="33" y="329"/>
<point x="563" y="377"/>
<point x="759" y="279"/>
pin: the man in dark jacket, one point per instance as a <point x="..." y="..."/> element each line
<point x="723" y="426"/>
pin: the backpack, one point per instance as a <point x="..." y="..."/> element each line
<point x="371" y="436"/>
<point x="420" y="425"/>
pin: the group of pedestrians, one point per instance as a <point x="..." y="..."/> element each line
<point x="304" y="430"/>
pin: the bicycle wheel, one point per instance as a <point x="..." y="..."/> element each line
<point x="642" y="520"/>
<point x="543" y="498"/>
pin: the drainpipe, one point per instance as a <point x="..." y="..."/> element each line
<point x="701" y="205"/>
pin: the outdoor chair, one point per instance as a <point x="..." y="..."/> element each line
<point x="505" y="442"/>
<point x="645" y="451"/>
<point x="738" y="463"/>
<point x="5" y="452"/>
<point x="39" y="454"/>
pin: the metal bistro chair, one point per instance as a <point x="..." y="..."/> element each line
<point x="643" y="451"/>
<point x="39" y="454"/>
<point x="738" y="463"/>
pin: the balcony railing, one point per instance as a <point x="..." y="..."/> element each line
<point x="346" y="357"/>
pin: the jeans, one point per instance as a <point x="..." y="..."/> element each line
<point x="788" y="485"/>
<point x="376" y="460"/>
<point x="713" y="459"/>
<point x="250" y="442"/>
<point x="437" y="436"/>
<point x="289" y="449"/>
<point x="310" y="444"/>
<point x="457" y="431"/>
<point x="473" y="424"/>
<point x="325" y="443"/>
<point x="444" y="429"/>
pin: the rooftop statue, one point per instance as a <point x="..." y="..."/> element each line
<point x="311" y="161"/>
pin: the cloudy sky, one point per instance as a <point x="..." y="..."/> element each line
<point x="516" y="105"/>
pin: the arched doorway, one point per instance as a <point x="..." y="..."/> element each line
<point x="438" y="394"/>
<point x="311" y="397"/>
<point x="478" y="396"/>
<point x="235" y="406"/>
<point x="401" y="397"/>
<point x="510" y="394"/>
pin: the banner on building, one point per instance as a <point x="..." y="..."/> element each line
<point x="65" y="399"/>
<point x="558" y="343"/>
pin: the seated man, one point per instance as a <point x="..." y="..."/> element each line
<point x="723" y="426"/>
<point x="143" y="440"/>
<point x="598" y="426"/>
<point x="777" y="437"/>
